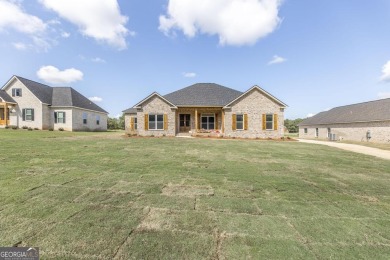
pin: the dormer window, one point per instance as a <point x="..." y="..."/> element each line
<point x="16" y="92"/>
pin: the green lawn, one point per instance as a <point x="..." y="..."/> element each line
<point x="104" y="196"/>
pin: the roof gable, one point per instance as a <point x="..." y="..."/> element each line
<point x="153" y="95"/>
<point x="203" y="94"/>
<point x="377" y="110"/>
<point x="256" y="88"/>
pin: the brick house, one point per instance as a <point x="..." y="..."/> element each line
<point x="24" y="102"/>
<point x="367" y="121"/>
<point x="208" y="108"/>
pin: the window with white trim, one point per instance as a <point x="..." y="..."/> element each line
<point x="317" y="132"/>
<point x="59" y="117"/>
<point x="269" y="122"/>
<point x="240" y="122"/>
<point x="208" y="121"/>
<point x="135" y="123"/>
<point x="305" y="130"/>
<point x="156" y="122"/>
<point x="28" y="114"/>
<point x="98" y="120"/>
<point x="16" y="92"/>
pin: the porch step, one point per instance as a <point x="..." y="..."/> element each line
<point x="186" y="135"/>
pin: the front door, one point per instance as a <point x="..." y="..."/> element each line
<point x="185" y="123"/>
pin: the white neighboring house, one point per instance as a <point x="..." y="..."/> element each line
<point x="24" y="102"/>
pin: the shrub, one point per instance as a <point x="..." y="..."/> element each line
<point x="61" y="129"/>
<point x="51" y="129"/>
<point x="14" y="127"/>
<point x="6" y="127"/>
<point x="24" y="127"/>
<point x="36" y="128"/>
<point x="29" y="129"/>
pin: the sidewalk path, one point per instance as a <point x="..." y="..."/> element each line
<point x="384" y="154"/>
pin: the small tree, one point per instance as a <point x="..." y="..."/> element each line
<point x="292" y="125"/>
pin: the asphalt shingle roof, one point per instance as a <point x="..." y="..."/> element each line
<point x="7" y="98"/>
<point x="59" y="96"/>
<point x="378" y="110"/>
<point x="130" y="111"/>
<point x="203" y="94"/>
<point x="43" y="92"/>
<point x="68" y="97"/>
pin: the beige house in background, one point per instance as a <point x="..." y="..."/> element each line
<point x="208" y="108"/>
<point x="24" y="102"/>
<point x="367" y="121"/>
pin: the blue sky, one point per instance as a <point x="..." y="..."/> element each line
<point x="313" y="55"/>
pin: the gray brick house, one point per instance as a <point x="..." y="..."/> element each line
<point x="208" y="108"/>
<point x="367" y="121"/>
<point x="24" y="102"/>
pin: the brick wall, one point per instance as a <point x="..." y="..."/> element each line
<point x="380" y="131"/>
<point x="255" y="104"/>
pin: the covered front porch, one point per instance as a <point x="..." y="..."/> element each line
<point x="200" y="120"/>
<point x="5" y="109"/>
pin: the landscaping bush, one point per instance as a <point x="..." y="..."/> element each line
<point x="24" y="127"/>
<point x="29" y="129"/>
<point x="36" y="128"/>
<point x="14" y="127"/>
<point x="6" y="127"/>
<point x="61" y="129"/>
<point x="51" y="129"/>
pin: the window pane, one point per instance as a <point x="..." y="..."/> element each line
<point x="211" y="126"/>
<point x="240" y="118"/>
<point x="152" y="118"/>
<point x="240" y="125"/>
<point x="269" y="125"/>
<point x="28" y="112"/>
<point x="269" y="117"/>
<point x="160" y="118"/>
<point x="211" y="119"/>
<point x="204" y="125"/>
<point x="160" y="125"/>
<point x="204" y="120"/>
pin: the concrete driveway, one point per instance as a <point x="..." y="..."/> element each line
<point x="384" y="154"/>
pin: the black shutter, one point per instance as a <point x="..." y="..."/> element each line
<point x="23" y="114"/>
<point x="55" y="117"/>
<point x="64" y="114"/>
<point x="32" y="114"/>
<point x="13" y="92"/>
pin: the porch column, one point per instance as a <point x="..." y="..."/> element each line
<point x="223" y="122"/>
<point x="5" y="114"/>
<point x="196" y="120"/>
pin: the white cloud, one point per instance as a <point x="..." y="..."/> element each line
<point x="20" y="46"/>
<point x="310" y="115"/>
<point x="99" y="19"/>
<point x="12" y="16"/>
<point x="65" y="35"/>
<point x="382" y="95"/>
<point x="98" y="60"/>
<point x="386" y="72"/>
<point x="53" y="75"/>
<point x="96" y="99"/>
<point x="236" y="22"/>
<point x="189" y="74"/>
<point x="276" y="59"/>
